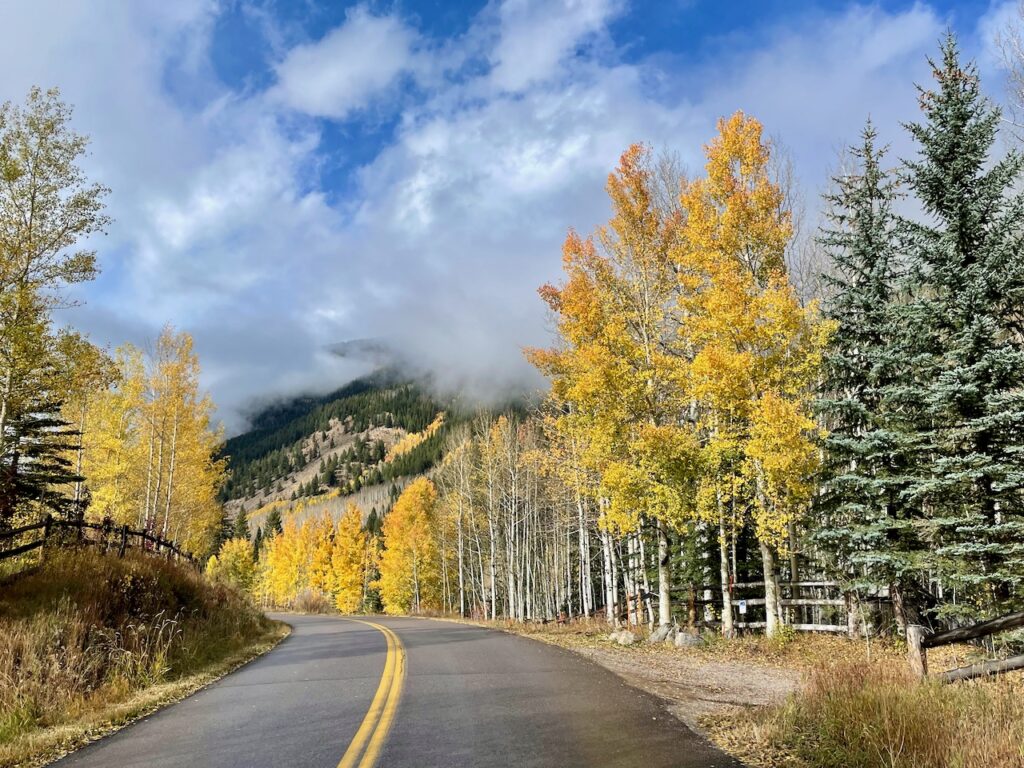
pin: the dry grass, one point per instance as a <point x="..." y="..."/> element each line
<point x="81" y="638"/>
<point x="878" y="715"/>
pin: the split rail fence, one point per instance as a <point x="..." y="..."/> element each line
<point x="920" y="639"/>
<point x="51" y="531"/>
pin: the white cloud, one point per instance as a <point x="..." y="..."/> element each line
<point x="352" y="64"/>
<point x="537" y="35"/>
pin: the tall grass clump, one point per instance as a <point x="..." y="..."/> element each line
<point x="87" y="630"/>
<point x="878" y="715"/>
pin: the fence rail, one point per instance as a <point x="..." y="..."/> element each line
<point x="920" y="639"/>
<point x="107" y="535"/>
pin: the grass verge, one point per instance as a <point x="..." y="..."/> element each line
<point x="89" y="643"/>
<point x="876" y="715"/>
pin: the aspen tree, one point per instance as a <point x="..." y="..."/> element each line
<point x="349" y="561"/>
<point x="618" y="366"/>
<point x="409" y="579"/>
<point x="755" y="350"/>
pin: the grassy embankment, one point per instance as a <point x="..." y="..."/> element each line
<point x="857" y="705"/>
<point x="90" y="642"/>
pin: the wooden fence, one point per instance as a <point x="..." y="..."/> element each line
<point x="920" y="639"/>
<point x="106" y="535"/>
<point x="807" y="606"/>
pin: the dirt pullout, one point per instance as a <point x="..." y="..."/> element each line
<point x="693" y="688"/>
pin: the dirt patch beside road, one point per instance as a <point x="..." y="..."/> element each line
<point x="693" y="688"/>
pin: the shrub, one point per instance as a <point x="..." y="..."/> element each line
<point x="88" y="629"/>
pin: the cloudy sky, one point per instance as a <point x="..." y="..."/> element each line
<point x="289" y="174"/>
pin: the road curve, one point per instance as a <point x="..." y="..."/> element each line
<point x="466" y="696"/>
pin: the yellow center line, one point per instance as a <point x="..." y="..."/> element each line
<point x="375" y="726"/>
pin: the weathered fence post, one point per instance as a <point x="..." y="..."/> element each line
<point x="917" y="655"/>
<point x="47" y="529"/>
<point x="124" y="541"/>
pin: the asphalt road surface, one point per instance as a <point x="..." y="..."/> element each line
<point x="408" y="693"/>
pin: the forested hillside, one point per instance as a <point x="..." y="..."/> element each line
<point x="366" y="435"/>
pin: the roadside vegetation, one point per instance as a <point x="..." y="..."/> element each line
<point x="878" y="715"/>
<point x="88" y="641"/>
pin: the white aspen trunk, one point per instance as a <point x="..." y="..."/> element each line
<point x="723" y="550"/>
<point x="771" y="590"/>
<point x="629" y="580"/>
<point x="645" y="582"/>
<point x="151" y="513"/>
<point x="494" y="554"/>
<point x="170" y="472"/>
<point x="79" y="455"/>
<point x="144" y="514"/>
<point x="609" y="577"/>
<point x="664" y="577"/>
<point x="5" y="400"/>
<point x="461" y="546"/>
<point x="586" y="580"/>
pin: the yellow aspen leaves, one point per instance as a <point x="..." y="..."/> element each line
<point x="414" y="439"/>
<point x="234" y="564"/>
<point x="349" y="560"/>
<point x="409" y="580"/>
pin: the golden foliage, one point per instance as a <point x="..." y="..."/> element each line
<point x="409" y="580"/>
<point x="234" y="564"/>
<point x="413" y="439"/>
<point x="349" y="561"/>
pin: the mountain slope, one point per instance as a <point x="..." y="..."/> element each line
<point x="364" y="439"/>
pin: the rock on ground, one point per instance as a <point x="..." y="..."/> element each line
<point x="664" y="633"/>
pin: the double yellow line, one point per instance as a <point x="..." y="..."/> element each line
<point x="373" y="731"/>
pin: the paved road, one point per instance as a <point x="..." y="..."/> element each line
<point x="408" y="693"/>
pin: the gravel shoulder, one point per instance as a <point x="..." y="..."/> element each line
<point x="693" y="688"/>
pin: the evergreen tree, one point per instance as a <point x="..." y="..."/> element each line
<point x="964" y="339"/>
<point x="864" y="523"/>
<point x="241" y="525"/>
<point x="257" y="543"/>
<point x="36" y="468"/>
<point x="273" y="525"/>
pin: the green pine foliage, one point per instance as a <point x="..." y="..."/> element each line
<point x="864" y="519"/>
<point x="241" y="525"/>
<point x="964" y="340"/>
<point x="924" y="380"/>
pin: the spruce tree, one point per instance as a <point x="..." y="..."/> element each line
<point x="273" y="525"/>
<point x="865" y="524"/>
<point x="241" y="527"/>
<point x="35" y="469"/>
<point x="963" y="328"/>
